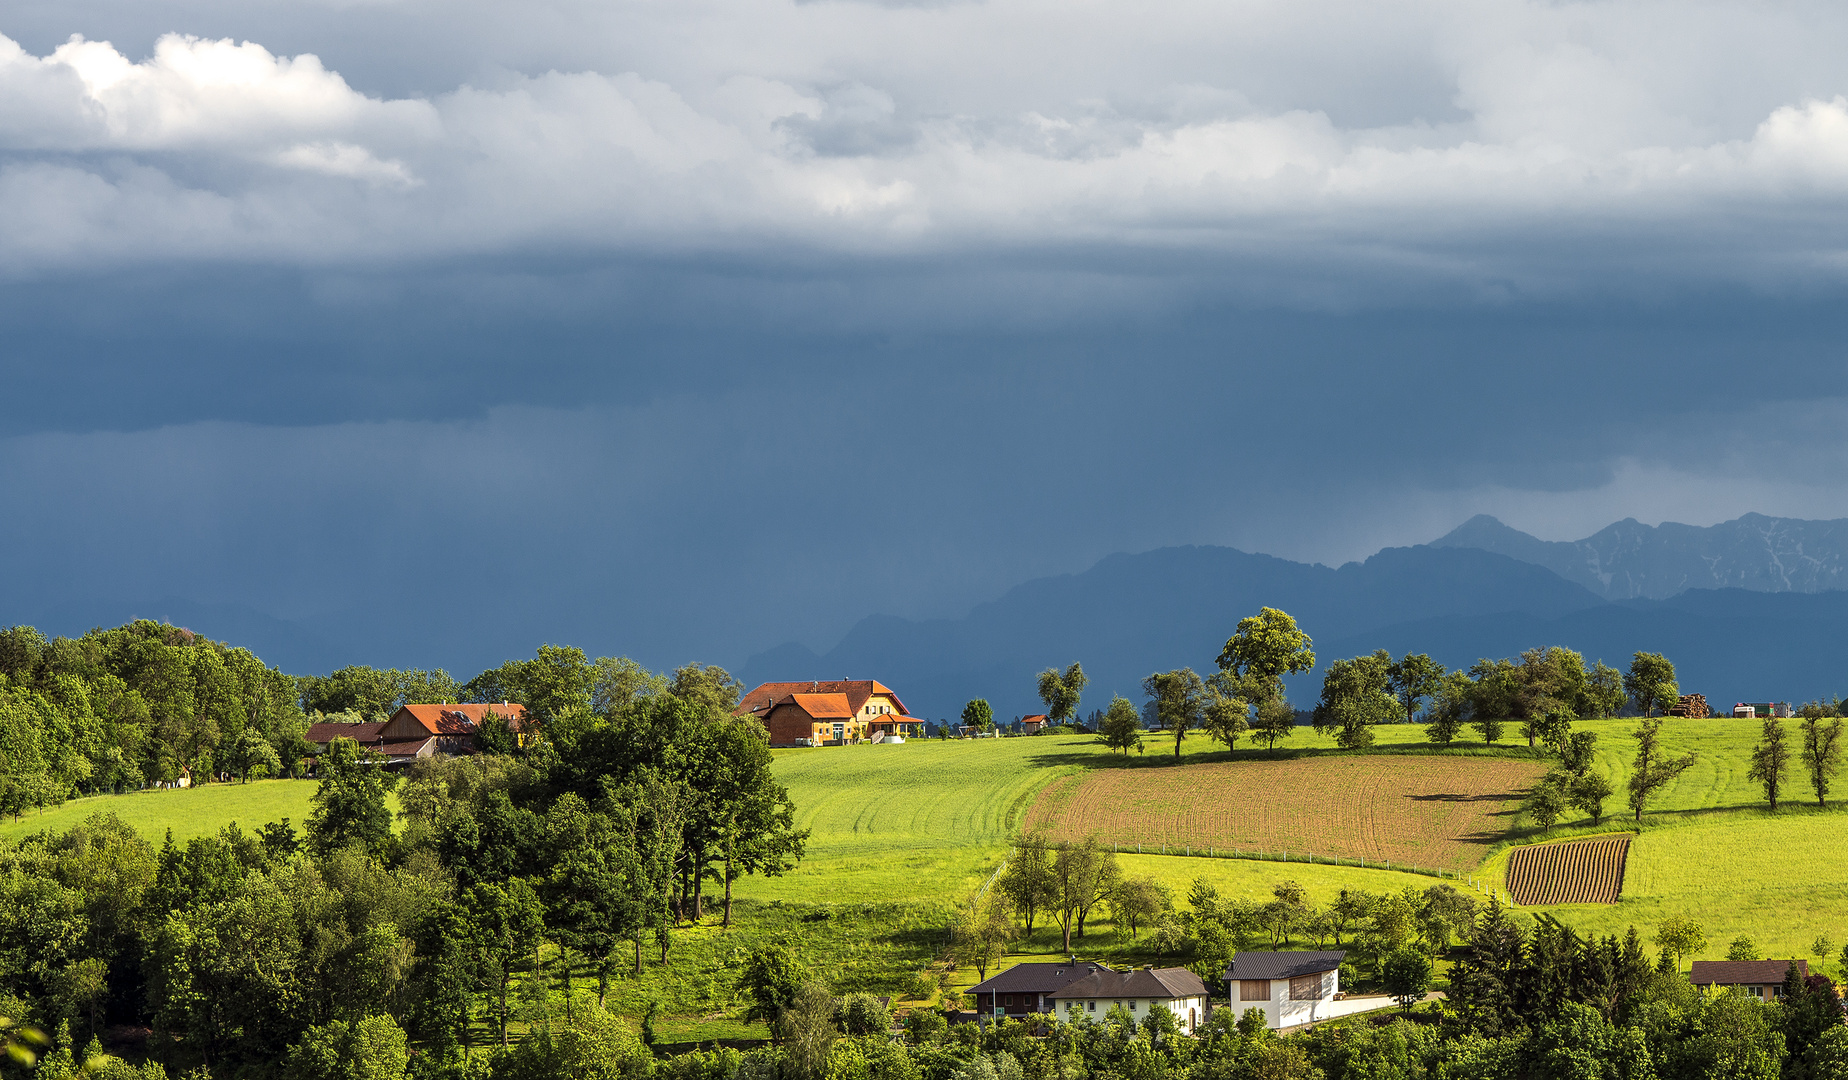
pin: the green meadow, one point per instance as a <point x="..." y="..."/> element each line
<point x="189" y="812"/>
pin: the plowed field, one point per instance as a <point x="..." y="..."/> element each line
<point x="1434" y="812"/>
<point x="1578" y="872"/>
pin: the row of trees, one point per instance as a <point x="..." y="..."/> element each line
<point x="1540" y="693"/>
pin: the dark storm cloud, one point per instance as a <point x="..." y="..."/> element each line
<point x="681" y="330"/>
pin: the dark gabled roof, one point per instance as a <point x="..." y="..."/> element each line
<point x="322" y="734"/>
<point x="1744" y="972"/>
<point x="1140" y="983"/>
<point x="1031" y="979"/>
<point x="1282" y="965"/>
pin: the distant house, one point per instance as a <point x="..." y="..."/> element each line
<point x="1762" y="979"/>
<point x="1032" y="724"/>
<point x="1025" y="988"/>
<point x="1290" y="988"/>
<point x="829" y="713"/>
<point x="1757" y="709"/>
<point x="420" y="731"/>
<point x="1099" y="989"/>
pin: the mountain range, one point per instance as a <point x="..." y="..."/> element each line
<point x="1751" y="609"/>
<point x="1628" y="560"/>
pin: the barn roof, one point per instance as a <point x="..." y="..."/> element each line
<point x="322" y="734"/>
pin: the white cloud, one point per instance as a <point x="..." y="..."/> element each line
<point x="748" y="126"/>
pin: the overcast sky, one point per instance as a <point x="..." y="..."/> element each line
<point x="682" y="329"/>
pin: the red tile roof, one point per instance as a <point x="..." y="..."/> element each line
<point x="857" y="691"/>
<point x="461" y="719"/>
<point x="1036" y="718"/>
<point x="322" y="734"/>
<point x="822" y="706"/>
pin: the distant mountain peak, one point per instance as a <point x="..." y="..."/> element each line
<point x="1628" y="559"/>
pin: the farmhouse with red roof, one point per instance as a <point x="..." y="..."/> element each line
<point x="420" y="731"/>
<point x="829" y="713"/>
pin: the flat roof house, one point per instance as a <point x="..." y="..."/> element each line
<point x="1762" y="979"/>
<point x="1290" y="988"/>
<point x="1141" y="991"/>
<point x="828" y="713"/>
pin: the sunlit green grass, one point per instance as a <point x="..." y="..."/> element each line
<point x="189" y="812"/>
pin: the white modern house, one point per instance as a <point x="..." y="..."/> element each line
<point x="1291" y="988"/>
<point x="1095" y="992"/>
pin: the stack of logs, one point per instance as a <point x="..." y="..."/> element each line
<point x="1692" y="706"/>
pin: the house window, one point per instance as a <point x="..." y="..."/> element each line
<point x="1307" y="987"/>
<point x="1090" y="1006"/>
<point x="1254" y="989"/>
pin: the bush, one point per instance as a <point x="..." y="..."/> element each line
<point x="862" y="1014"/>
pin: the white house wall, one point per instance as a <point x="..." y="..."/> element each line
<point x="1281" y="1012"/>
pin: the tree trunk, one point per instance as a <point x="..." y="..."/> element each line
<point x="564" y="964"/>
<point x="728" y="883"/>
<point x="638" y="955"/>
<point x="505" y="978"/>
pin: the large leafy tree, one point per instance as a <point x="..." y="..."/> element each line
<point x="1122" y="726"/>
<point x="1060" y="690"/>
<point x="978" y="715"/>
<point x="1356" y="695"/>
<point x="1650" y="683"/>
<point x="1604" y="692"/>
<point x="1450" y="707"/>
<point x="1177" y="702"/>
<point x="1266" y="647"/>
<point x="1413" y="678"/>
<point x="349" y="802"/>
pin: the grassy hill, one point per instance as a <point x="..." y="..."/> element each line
<point x="189" y="812"/>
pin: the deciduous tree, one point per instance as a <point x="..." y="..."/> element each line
<point x="1227" y="712"/>
<point x="1650" y="683"/>
<point x="349" y="803"/>
<point x="1355" y="696"/>
<point x="1770" y="759"/>
<point x="978" y="715"/>
<point x="1821" y="754"/>
<point x="1413" y="678"/>
<point x="1061" y="692"/>
<point x="1177" y="700"/>
<point x="1652" y="770"/>
<point x="1122" y="726"/>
